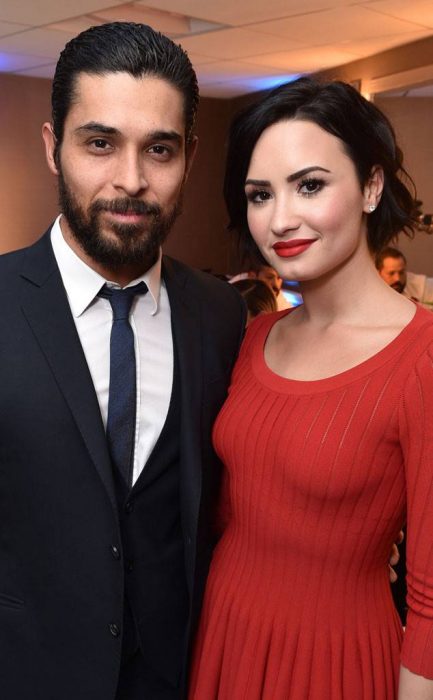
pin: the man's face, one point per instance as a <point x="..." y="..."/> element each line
<point x="121" y="166"/>
<point x="270" y="276"/>
<point x="394" y="273"/>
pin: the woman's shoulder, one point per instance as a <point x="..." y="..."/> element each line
<point x="260" y="326"/>
<point x="415" y="358"/>
<point x="422" y="330"/>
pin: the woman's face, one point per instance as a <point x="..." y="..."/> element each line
<point x="306" y="209"/>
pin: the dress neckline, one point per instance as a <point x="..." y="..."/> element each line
<point x="300" y="386"/>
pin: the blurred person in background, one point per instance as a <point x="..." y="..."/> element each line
<point x="258" y="297"/>
<point x="392" y="267"/>
<point x="269" y="276"/>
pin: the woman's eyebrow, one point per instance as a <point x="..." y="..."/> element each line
<point x="306" y="171"/>
<point x="291" y="178"/>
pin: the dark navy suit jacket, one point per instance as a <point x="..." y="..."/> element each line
<point x="61" y="584"/>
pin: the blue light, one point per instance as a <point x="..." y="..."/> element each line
<point x="6" y="61"/>
<point x="290" y="291"/>
<point x="270" y="82"/>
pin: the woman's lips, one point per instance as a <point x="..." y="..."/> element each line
<point x="288" y="249"/>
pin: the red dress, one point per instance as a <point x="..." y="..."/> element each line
<point x="319" y="477"/>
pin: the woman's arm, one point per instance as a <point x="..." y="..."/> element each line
<point x="413" y="687"/>
<point x="416" y="441"/>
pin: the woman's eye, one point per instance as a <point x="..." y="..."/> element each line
<point x="258" y="196"/>
<point x="310" y="186"/>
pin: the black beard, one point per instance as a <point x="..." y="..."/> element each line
<point x="398" y="286"/>
<point x="133" y="244"/>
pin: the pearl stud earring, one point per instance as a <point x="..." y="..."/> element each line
<point x="371" y="207"/>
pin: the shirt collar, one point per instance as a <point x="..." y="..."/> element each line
<point x="82" y="283"/>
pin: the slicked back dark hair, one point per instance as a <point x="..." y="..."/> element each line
<point x="339" y="109"/>
<point x="128" y="47"/>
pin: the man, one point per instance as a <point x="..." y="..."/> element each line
<point x="107" y="475"/>
<point x="392" y="267"/>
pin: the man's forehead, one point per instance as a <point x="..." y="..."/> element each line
<point x="120" y="96"/>
<point x="393" y="262"/>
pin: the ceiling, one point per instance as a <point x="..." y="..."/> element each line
<point x="237" y="47"/>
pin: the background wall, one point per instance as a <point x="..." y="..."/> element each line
<point x="199" y="236"/>
<point x="412" y="120"/>
<point x="28" y="196"/>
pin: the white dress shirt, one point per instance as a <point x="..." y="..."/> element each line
<point x="419" y="287"/>
<point x="151" y="322"/>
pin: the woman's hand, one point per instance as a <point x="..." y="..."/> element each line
<point x="395" y="556"/>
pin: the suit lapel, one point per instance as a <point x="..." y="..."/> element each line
<point x="186" y="325"/>
<point x="46" y="308"/>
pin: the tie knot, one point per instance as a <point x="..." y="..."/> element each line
<point x="121" y="299"/>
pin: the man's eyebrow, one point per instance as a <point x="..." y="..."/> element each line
<point x="157" y="135"/>
<point x="165" y="136"/>
<point x="97" y="128"/>
<point x="291" y="178"/>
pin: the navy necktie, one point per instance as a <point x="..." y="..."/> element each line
<point x="122" y="400"/>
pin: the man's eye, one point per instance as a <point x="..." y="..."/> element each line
<point x="159" y="150"/>
<point x="100" y="144"/>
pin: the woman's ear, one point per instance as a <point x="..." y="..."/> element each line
<point x="373" y="189"/>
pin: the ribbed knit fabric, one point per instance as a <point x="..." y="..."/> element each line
<point x="298" y="603"/>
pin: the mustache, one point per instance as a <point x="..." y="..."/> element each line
<point x="126" y="205"/>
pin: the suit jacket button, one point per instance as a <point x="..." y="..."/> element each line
<point x="114" y="629"/>
<point x="129" y="507"/>
<point x="115" y="551"/>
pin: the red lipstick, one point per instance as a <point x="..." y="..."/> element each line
<point x="288" y="249"/>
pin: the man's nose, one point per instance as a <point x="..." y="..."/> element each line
<point x="129" y="174"/>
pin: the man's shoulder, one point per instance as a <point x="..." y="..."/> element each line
<point x="15" y="262"/>
<point x="13" y="257"/>
<point x="11" y="264"/>
<point x="198" y="279"/>
<point x="223" y="308"/>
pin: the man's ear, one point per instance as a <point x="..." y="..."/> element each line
<point x="50" y="142"/>
<point x="373" y="189"/>
<point x="190" y="151"/>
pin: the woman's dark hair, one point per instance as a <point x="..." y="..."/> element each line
<point x="366" y="134"/>
<point x="122" y="46"/>
<point x="258" y="296"/>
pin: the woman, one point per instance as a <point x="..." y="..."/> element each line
<point x="327" y="433"/>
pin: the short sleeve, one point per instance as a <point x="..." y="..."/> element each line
<point x="416" y="437"/>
